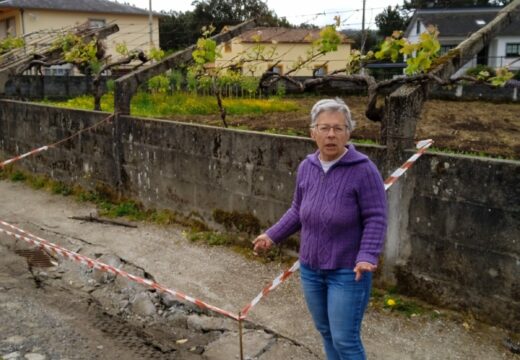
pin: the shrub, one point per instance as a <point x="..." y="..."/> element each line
<point x="159" y="84"/>
<point x="111" y="85"/>
<point x="475" y="71"/>
<point x="176" y="80"/>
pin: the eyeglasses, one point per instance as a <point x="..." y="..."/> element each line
<point x="324" y="129"/>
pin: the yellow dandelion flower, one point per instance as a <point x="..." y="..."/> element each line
<point x="390" y="302"/>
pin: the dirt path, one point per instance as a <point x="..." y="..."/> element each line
<point x="223" y="278"/>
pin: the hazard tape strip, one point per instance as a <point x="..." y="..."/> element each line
<point x="421" y="145"/>
<point x="95" y="264"/>
<point x="279" y="279"/>
<point x="44" y="148"/>
<point x="19" y="157"/>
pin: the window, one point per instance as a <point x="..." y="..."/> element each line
<point x="512" y="49"/>
<point x="446" y="48"/>
<point x="96" y="23"/>
<point x="320" y="70"/>
<point x="418" y="27"/>
<point x="7" y="27"/>
<point x="227" y="46"/>
<point x="277" y="69"/>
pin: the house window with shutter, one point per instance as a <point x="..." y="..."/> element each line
<point x="96" y="23"/>
<point x="320" y="70"/>
<point x="512" y="49"/>
<point x="418" y="27"/>
<point x="277" y="69"/>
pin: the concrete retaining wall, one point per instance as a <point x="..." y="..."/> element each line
<point x="464" y="230"/>
<point x="462" y="239"/>
<point x="49" y="87"/>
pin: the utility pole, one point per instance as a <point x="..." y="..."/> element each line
<point x="363" y="34"/>
<point x="150" y="23"/>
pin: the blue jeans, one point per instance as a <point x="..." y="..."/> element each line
<point x="337" y="303"/>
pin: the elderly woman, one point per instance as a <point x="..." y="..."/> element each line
<point x="339" y="205"/>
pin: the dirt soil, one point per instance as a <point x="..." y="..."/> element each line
<point x="68" y="318"/>
<point x="468" y="127"/>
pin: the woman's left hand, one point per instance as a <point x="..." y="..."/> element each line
<point x="363" y="266"/>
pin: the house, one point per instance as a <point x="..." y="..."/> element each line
<point x="282" y="48"/>
<point x="455" y="25"/>
<point x="24" y="18"/>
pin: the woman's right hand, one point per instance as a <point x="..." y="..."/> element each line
<point x="262" y="243"/>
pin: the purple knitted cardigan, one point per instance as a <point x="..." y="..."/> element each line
<point x="341" y="213"/>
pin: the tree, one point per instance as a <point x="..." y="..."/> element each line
<point x="220" y="13"/>
<point x="179" y="30"/>
<point x="391" y="19"/>
<point x="372" y="38"/>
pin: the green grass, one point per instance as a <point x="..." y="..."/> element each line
<point x="106" y="203"/>
<point x="365" y="142"/>
<point x="390" y="301"/>
<point x="18" y="176"/>
<point x="164" y="105"/>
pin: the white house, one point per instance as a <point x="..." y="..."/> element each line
<point x="455" y="25"/>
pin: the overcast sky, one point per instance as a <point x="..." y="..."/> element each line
<point x="301" y="11"/>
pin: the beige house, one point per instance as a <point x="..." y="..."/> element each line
<point x="282" y="48"/>
<point x="29" y="17"/>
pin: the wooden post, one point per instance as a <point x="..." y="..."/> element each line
<point x="240" y="335"/>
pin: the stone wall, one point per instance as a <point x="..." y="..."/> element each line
<point x="461" y="242"/>
<point x="464" y="229"/>
<point x="49" y="87"/>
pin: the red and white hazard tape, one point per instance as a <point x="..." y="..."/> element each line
<point x="43" y="148"/>
<point x="421" y="145"/>
<point x="16" y="158"/>
<point x="94" y="264"/>
<point x="279" y="279"/>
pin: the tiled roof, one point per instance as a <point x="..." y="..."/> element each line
<point x="460" y="22"/>
<point x="284" y="35"/>
<point x="95" y="6"/>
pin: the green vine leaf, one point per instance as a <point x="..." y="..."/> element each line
<point x="419" y="56"/>
<point x="503" y="75"/>
<point x="329" y="39"/>
<point x="10" y="43"/>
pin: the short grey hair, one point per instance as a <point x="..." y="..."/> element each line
<point x="333" y="105"/>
